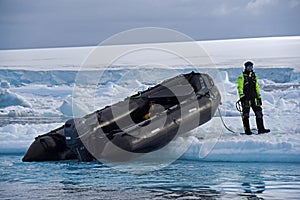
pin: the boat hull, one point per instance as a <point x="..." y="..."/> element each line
<point x="140" y="124"/>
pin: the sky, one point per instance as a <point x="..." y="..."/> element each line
<point x="68" y="23"/>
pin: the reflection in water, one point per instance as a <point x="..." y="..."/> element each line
<point x="180" y="180"/>
<point x="201" y="192"/>
<point x="252" y="184"/>
<point x="254" y="187"/>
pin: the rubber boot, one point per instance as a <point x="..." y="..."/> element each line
<point x="247" y="126"/>
<point x="260" y="126"/>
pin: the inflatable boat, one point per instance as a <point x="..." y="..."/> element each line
<point x="141" y="123"/>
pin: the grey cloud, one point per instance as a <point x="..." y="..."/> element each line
<point x="34" y="23"/>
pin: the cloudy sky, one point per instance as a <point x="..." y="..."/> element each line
<point x="58" y="23"/>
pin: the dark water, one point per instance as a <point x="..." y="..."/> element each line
<point x="179" y="180"/>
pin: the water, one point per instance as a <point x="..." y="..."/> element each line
<point x="181" y="180"/>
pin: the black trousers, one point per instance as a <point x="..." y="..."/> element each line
<point x="246" y="105"/>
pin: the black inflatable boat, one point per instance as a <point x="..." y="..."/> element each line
<point x="142" y="123"/>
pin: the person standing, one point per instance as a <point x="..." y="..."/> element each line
<point x="250" y="97"/>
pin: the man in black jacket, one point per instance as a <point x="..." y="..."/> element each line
<point x="249" y="93"/>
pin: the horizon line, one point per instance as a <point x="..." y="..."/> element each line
<point x="207" y="40"/>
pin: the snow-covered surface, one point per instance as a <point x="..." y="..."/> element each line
<point x="39" y="84"/>
<point x="279" y="52"/>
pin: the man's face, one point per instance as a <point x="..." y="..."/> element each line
<point x="249" y="68"/>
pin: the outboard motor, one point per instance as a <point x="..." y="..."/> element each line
<point x="73" y="140"/>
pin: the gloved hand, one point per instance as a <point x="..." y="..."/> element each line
<point x="242" y="99"/>
<point x="259" y="101"/>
